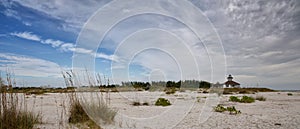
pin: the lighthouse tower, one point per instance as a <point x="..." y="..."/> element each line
<point x="229" y="78"/>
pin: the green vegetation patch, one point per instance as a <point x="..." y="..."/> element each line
<point x="244" y="99"/>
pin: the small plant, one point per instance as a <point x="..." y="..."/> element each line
<point x="247" y="99"/>
<point x="220" y="108"/>
<point x="146" y="104"/>
<point x="260" y="98"/>
<point x="289" y="94"/>
<point x="162" y="102"/>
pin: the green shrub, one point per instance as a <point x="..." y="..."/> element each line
<point x="234" y="99"/>
<point x="247" y="99"/>
<point x="232" y="110"/>
<point x="260" y="98"/>
<point x="289" y="94"/>
<point x="162" y="102"/>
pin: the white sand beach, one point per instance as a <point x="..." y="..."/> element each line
<point x="278" y="111"/>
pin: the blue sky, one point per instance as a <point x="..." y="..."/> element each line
<point x="259" y="40"/>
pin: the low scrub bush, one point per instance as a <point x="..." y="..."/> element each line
<point x="289" y="94"/>
<point x="162" y="102"/>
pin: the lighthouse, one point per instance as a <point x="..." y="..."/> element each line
<point x="230" y="83"/>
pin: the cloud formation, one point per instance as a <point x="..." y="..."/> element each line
<point x="260" y="38"/>
<point x="29" y="66"/>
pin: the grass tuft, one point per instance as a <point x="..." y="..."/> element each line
<point x="13" y="114"/>
<point x="136" y="103"/>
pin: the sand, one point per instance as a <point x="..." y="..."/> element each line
<point x="278" y="111"/>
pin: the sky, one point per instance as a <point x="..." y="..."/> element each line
<point x="257" y="41"/>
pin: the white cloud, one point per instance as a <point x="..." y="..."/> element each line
<point x="53" y="43"/>
<point x="27" y="35"/>
<point x="63" y="46"/>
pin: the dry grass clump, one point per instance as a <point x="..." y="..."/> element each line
<point x="260" y="98"/>
<point x="13" y="114"/>
<point x="77" y="113"/>
<point x="136" y="103"/>
<point x="81" y="110"/>
<point x="100" y="110"/>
